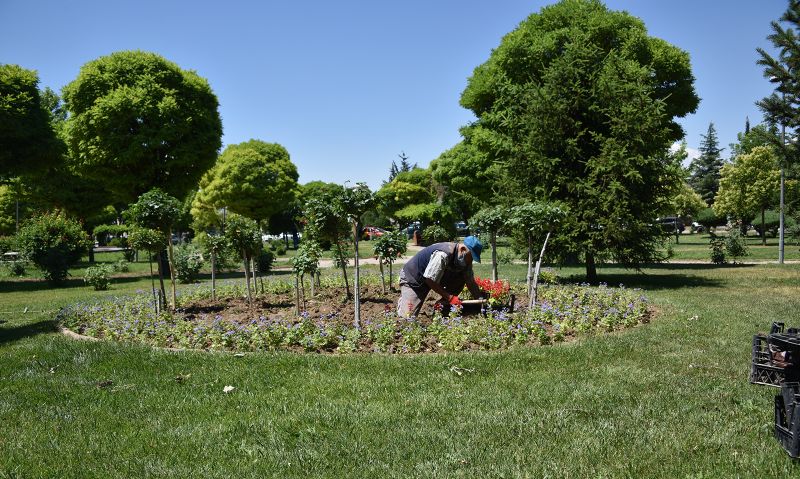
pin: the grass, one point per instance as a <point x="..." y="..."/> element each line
<point x="667" y="399"/>
<point x="696" y="247"/>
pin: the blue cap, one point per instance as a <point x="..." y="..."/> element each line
<point x="475" y="247"/>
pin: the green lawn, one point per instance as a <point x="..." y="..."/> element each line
<point x="666" y="399"/>
<point x="696" y="247"/>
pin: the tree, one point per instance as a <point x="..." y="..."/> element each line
<point x="530" y="218"/>
<point x="579" y="105"/>
<point x="748" y="185"/>
<point x="388" y="248"/>
<point x="325" y="222"/>
<point x="759" y="135"/>
<point x="152" y="241"/>
<point x="305" y="262"/>
<point x="245" y="238"/>
<point x="353" y="203"/>
<point x="491" y="220"/>
<point x="254" y="179"/>
<point x="469" y="178"/>
<point x="28" y="143"/>
<point x="157" y="210"/>
<point x="139" y="121"/>
<point x="705" y="169"/>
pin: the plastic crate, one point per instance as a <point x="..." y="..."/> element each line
<point x="763" y="370"/>
<point x="787" y="418"/>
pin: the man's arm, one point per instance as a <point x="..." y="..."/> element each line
<point x="438" y="289"/>
<point x="473" y="287"/>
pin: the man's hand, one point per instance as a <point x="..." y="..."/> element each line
<point x="454" y="301"/>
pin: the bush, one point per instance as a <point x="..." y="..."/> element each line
<point x="53" y="242"/>
<point x="118" y="242"/>
<point x="772" y="223"/>
<point x="98" y="277"/>
<point x="435" y="234"/>
<point x="16" y="268"/>
<point x="7" y="244"/>
<point x="735" y="245"/>
<point x="708" y="218"/>
<point x="121" y="266"/>
<point x="264" y="261"/>
<point x="129" y="255"/>
<point x="188" y="262"/>
<point x="717" y="246"/>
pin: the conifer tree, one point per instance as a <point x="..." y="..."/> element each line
<point x="705" y="169"/>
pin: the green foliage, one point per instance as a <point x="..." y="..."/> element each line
<point x="306" y="261"/>
<point x="29" y="143"/>
<point x="155" y="210"/>
<point x="426" y="214"/>
<point x="16" y="268"/>
<point x="748" y="185"/>
<point x="188" y="262"/>
<point x="435" y="234"/>
<point x="710" y="219"/>
<point x="535" y="217"/>
<point x="468" y="176"/>
<point x="121" y="266"/>
<point x="706" y="169"/>
<point x="491" y="219"/>
<point x="390" y="246"/>
<point x="397" y="195"/>
<point x="7" y="243"/>
<point x="735" y="244"/>
<point x="579" y="104"/>
<point x="53" y="242"/>
<point x="146" y="239"/>
<point x="243" y="235"/>
<point x="717" y="246"/>
<point x="138" y="121"/>
<point x="98" y="277"/>
<point x="254" y="179"/>
<point x="115" y="230"/>
<point x="686" y="202"/>
<point x="264" y="261"/>
<point x="355" y="201"/>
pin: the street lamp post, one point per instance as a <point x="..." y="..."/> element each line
<point x="783" y="163"/>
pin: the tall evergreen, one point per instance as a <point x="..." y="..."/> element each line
<point x="393" y="171"/>
<point x="705" y="169"/>
<point x="404" y="164"/>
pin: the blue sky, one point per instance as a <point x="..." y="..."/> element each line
<point x="346" y="86"/>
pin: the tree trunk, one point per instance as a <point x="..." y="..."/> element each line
<point x="391" y="284"/>
<point x="153" y="282"/>
<point x="255" y="274"/>
<point x="763" y="231"/>
<point x="303" y="290"/>
<point x="213" y="275"/>
<point x="247" y="276"/>
<point x="530" y="265"/>
<point x="357" y="285"/>
<point x="340" y="252"/>
<point x="494" y="255"/>
<point x="171" y="258"/>
<point x="162" y="294"/>
<point x="297" y="293"/>
<point x="383" y="278"/>
<point x="591" y="268"/>
<point x="677" y="233"/>
<point x="533" y="297"/>
<point x="91" y="251"/>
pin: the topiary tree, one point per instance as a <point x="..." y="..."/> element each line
<point x="213" y="245"/>
<point x="353" y="203"/>
<point x="158" y="210"/>
<point x="388" y="248"/>
<point x="53" y="242"/>
<point x="529" y="218"/>
<point x="325" y="222"/>
<point x="305" y="262"/>
<point x="245" y="238"/>
<point x="152" y="241"/>
<point x="491" y="220"/>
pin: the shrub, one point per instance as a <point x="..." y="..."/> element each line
<point x="7" y="244"/>
<point x="120" y="266"/>
<point x="188" y="262"/>
<point x="129" y="255"/>
<point x="548" y="276"/>
<point x="717" y="246"/>
<point x="735" y="245"/>
<point x="53" y="242"/>
<point x="98" y="277"/>
<point x="118" y="242"/>
<point x="708" y="218"/>
<point x="435" y="234"/>
<point x="16" y="268"/>
<point x="264" y="261"/>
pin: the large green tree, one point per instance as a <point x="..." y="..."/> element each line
<point x="468" y="177"/>
<point x="749" y="185"/>
<point x="255" y="179"/>
<point x="579" y="104"/>
<point x="705" y="169"/>
<point x="28" y="143"/>
<point x="139" y="121"/>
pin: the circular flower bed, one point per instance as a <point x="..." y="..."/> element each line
<point x="270" y="323"/>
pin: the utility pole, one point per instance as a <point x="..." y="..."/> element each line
<point x="783" y="166"/>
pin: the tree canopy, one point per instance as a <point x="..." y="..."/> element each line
<point x="255" y="179"/>
<point x="139" y="121"/>
<point x="705" y="169"/>
<point x="468" y="176"/>
<point x="579" y="105"/>
<point x="28" y="142"/>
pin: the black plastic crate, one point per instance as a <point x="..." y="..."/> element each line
<point x="787" y="418"/>
<point x="762" y="368"/>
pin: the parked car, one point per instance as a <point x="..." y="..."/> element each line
<point x="670" y="224"/>
<point x="371" y="232"/>
<point x="461" y="228"/>
<point x="412" y="227"/>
